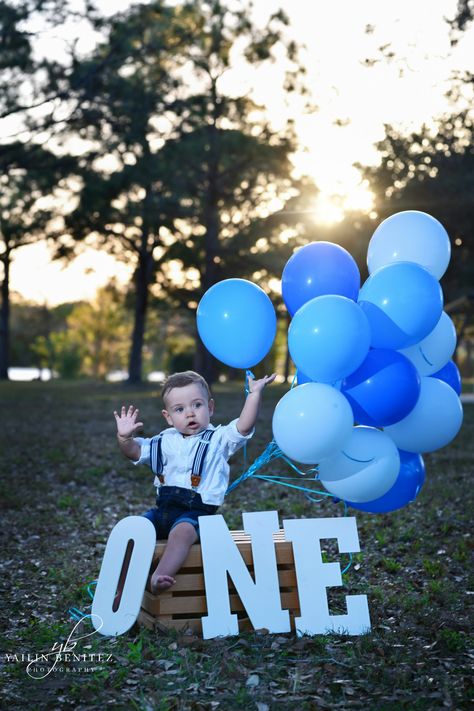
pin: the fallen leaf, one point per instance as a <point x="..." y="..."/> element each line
<point x="253" y="680"/>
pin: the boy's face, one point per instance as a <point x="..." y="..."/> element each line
<point x="188" y="409"/>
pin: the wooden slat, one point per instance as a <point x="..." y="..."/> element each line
<point x="186" y="582"/>
<point x="284" y="554"/>
<point x="242" y="540"/>
<point x="197" y="604"/>
<point x="287" y="579"/>
<point x="146" y="619"/>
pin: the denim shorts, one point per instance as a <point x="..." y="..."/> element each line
<point x="175" y="505"/>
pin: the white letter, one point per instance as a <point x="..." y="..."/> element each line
<point x="142" y="532"/>
<point x="314" y="576"/>
<point x="220" y="556"/>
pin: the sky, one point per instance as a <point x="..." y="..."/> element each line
<point x="353" y="101"/>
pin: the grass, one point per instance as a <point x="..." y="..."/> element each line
<point x="64" y="486"/>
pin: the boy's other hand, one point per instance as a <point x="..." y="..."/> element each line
<point x="127" y="425"/>
<point x="255" y="386"/>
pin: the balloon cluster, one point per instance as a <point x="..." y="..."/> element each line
<point x="376" y="386"/>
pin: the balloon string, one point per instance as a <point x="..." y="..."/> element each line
<point x="292" y="486"/>
<point x="74" y="612"/>
<point x="270" y="453"/>
<point x="248" y="375"/>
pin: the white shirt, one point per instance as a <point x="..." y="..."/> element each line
<point x="178" y="452"/>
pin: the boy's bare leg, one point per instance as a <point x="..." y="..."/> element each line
<point x="180" y="540"/>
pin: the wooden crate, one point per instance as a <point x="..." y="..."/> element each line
<point x="183" y="605"/>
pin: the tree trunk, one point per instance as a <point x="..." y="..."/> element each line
<point x="142" y="281"/>
<point x="205" y="362"/>
<point x="5" y="316"/>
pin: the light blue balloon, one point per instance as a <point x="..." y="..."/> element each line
<point x="436" y="349"/>
<point x="311" y="421"/>
<point x="364" y="469"/>
<point x="236" y="322"/>
<point x="328" y="338"/>
<point x="410" y="236"/>
<point x="434" y="421"/>
<point x="403" y="303"/>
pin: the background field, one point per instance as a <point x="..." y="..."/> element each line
<point x="64" y="486"/>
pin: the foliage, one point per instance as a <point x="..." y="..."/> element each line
<point x="101" y="330"/>
<point x="59" y="352"/>
<point x="94" y="340"/>
<point x="28" y="322"/>
<point x="30" y="173"/>
<point x="464" y="15"/>
<point x="178" y="164"/>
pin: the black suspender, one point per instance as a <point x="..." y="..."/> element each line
<point x="156" y="458"/>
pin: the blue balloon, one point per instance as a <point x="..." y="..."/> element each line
<point x="236" y="322"/>
<point x="448" y="374"/>
<point x="406" y="488"/>
<point x="328" y="338"/>
<point x="301" y="378"/>
<point x="317" y="269"/>
<point x="410" y="236"/>
<point x="403" y="303"/>
<point x="383" y="390"/>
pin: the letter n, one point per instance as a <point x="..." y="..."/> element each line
<point x="220" y="556"/>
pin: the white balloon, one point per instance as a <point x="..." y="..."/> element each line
<point x="410" y="236"/>
<point x="434" y="421"/>
<point x="311" y="421"/>
<point x="435" y="350"/>
<point x="364" y="469"/>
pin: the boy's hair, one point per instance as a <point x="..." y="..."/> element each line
<point x="180" y="380"/>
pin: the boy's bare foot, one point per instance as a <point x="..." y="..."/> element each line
<point x="160" y="583"/>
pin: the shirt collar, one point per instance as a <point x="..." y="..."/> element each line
<point x="210" y="426"/>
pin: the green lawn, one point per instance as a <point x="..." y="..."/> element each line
<point x="64" y="486"/>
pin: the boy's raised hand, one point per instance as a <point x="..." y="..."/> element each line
<point x="127" y="424"/>
<point x="256" y="386"/>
